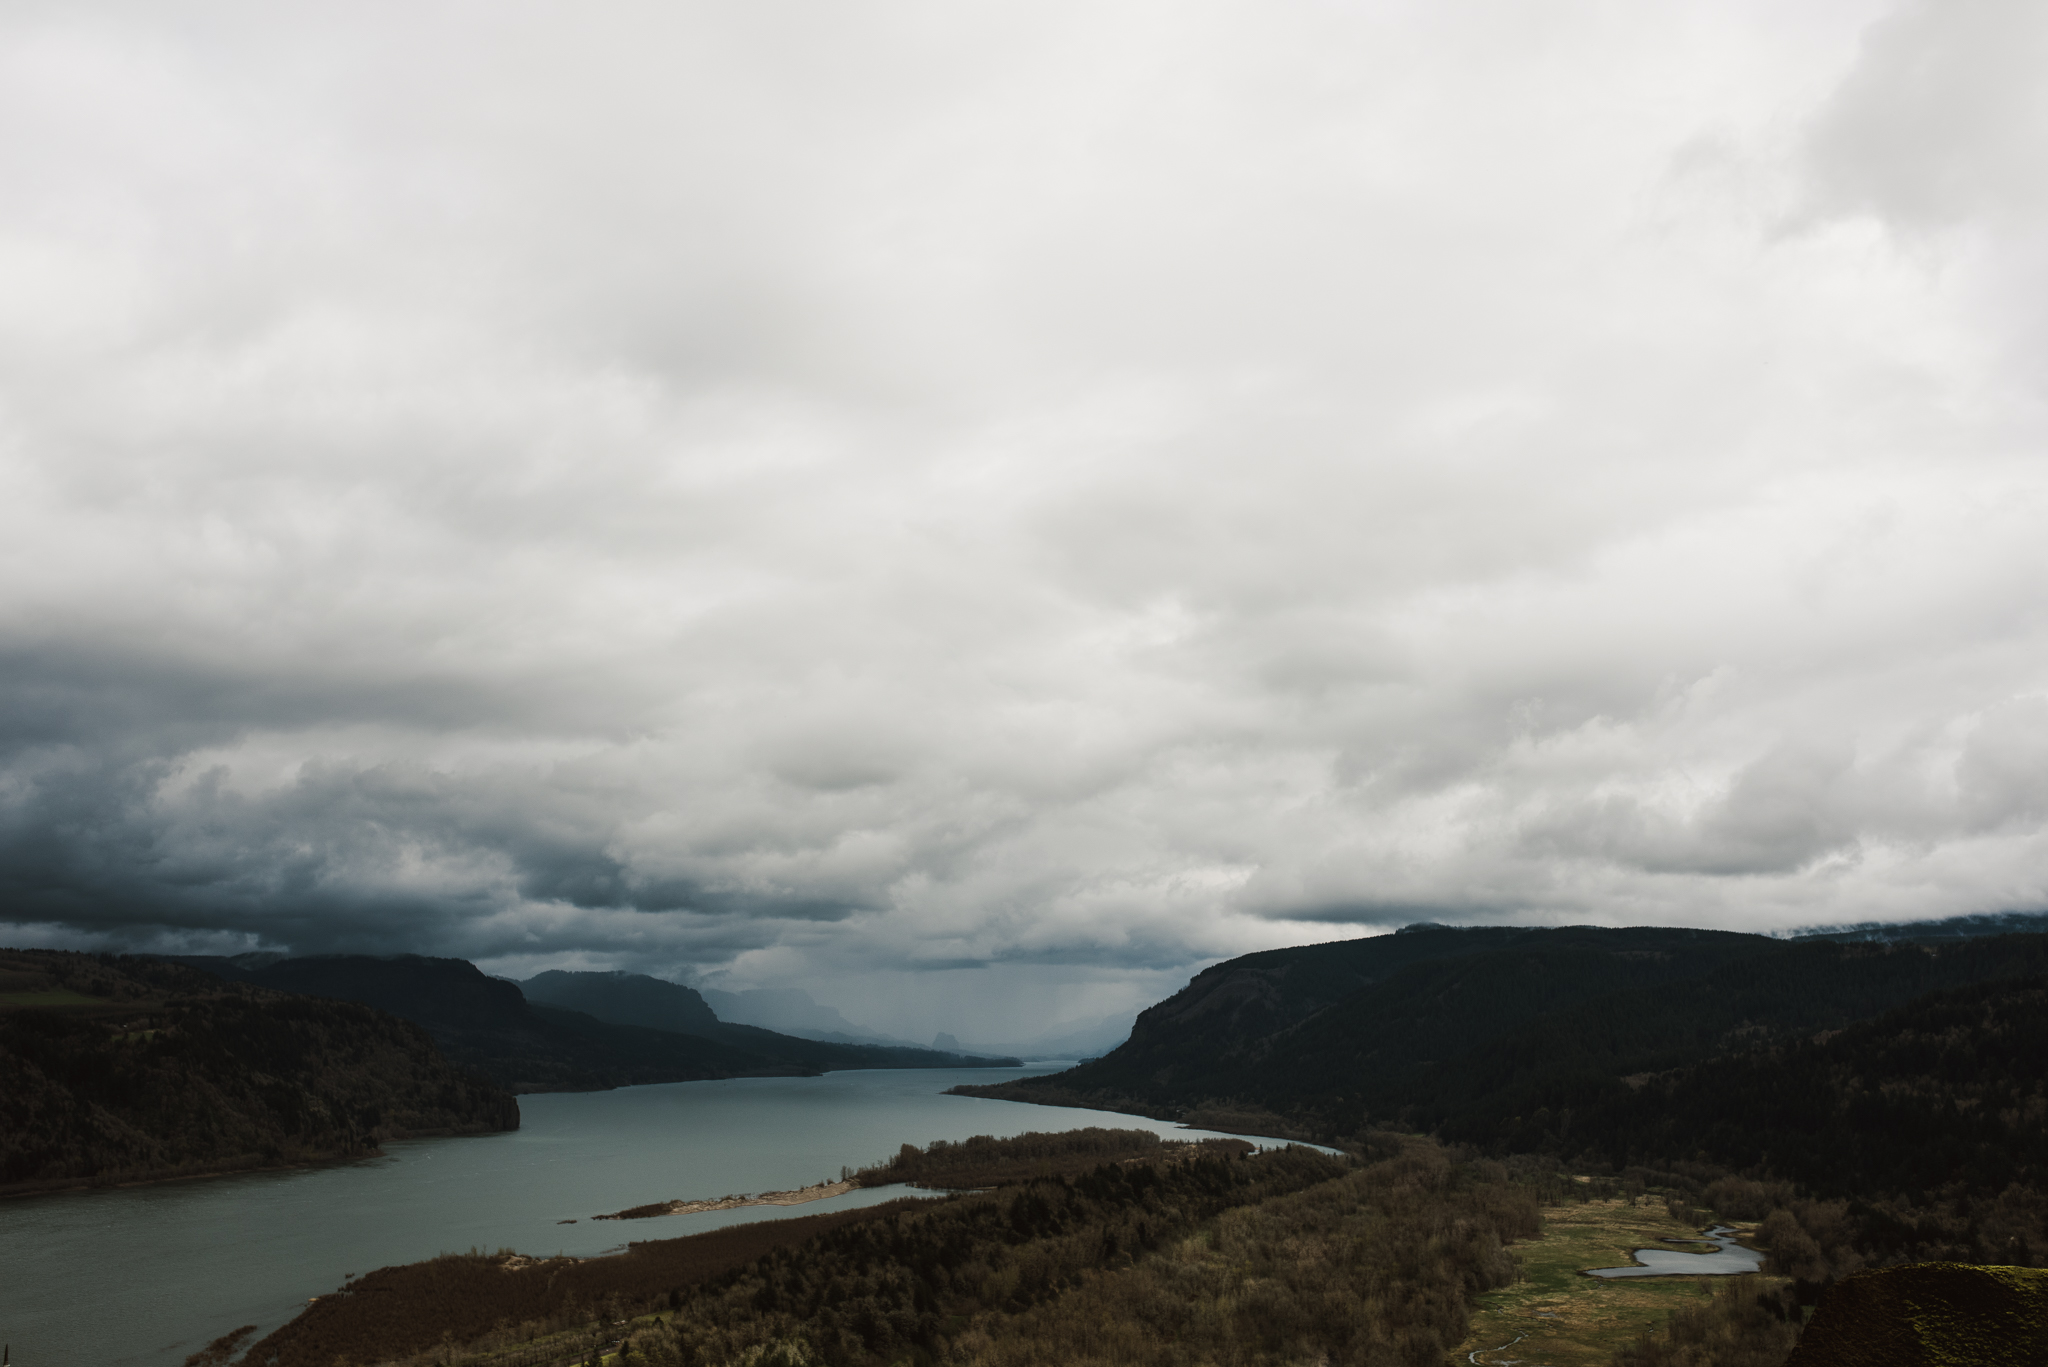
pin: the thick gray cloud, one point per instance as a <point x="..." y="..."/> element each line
<point x="1012" y="502"/>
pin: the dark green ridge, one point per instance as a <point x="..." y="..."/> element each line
<point x="121" y="1069"/>
<point x="488" y="1024"/>
<point x="1499" y="1036"/>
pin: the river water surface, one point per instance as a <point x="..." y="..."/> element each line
<point x="143" y="1276"/>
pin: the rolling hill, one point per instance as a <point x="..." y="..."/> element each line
<point x="489" y="1024"/>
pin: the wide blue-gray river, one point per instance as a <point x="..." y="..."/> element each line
<point x="143" y="1276"/>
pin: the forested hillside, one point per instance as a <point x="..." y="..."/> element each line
<point x="1947" y="1092"/>
<point x="1879" y="1102"/>
<point x="488" y="1024"/>
<point x="122" y="1069"/>
<point x="1476" y="1031"/>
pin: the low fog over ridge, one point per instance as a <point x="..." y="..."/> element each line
<point x="961" y="508"/>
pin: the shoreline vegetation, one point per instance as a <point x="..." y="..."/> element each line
<point x="970" y="1165"/>
<point x="1115" y="1239"/>
<point x="1161" y="1253"/>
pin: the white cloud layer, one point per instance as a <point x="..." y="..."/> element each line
<point x="804" y="489"/>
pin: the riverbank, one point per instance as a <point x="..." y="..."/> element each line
<point x="249" y="1165"/>
<point x="195" y="1258"/>
<point x="802" y="1195"/>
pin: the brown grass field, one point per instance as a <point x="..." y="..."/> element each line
<point x="1567" y="1319"/>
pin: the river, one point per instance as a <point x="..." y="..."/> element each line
<point x="143" y="1276"/>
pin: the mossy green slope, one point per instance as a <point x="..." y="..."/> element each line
<point x="1931" y="1315"/>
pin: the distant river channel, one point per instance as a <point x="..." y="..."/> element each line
<point x="143" y="1276"/>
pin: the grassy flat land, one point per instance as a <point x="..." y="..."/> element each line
<point x="1569" y="1320"/>
<point x="55" y="996"/>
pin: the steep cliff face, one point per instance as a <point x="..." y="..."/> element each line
<point x="118" y="1070"/>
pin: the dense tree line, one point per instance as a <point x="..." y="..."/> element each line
<point x="116" y="1069"/>
<point x="1374" y="1267"/>
<point x="986" y="1162"/>
<point x="495" y="1300"/>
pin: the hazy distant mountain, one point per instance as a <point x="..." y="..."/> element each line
<point x="488" y="1024"/>
<point x="626" y="999"/>
<point x="636" y="999"/>
<point x="1948" y="928"/>
<point x="1081" y="1041"/>
<point x="534" y="1046"/>
<point x="1069" y="1040"/>
<point x="793" y="1012"/>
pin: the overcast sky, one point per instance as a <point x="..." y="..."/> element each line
<point x="973" y="507"/>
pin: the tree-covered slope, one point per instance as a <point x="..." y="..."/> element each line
<point x="488" y="1024"/>
<point x="1476" y="1031"/>
<point x="125" y="1069"/>
<point x="1947" y="1091"/>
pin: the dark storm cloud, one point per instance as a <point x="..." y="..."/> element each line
<point x="1013" y="504"/>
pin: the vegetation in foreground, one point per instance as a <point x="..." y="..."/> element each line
<point x="1747" y="1322"/>
<point x="1158" y="1253"/>
<point x="1555" y="1314"/>
<point x="1932" y="1315"/>
<point x="1184" y="1253"/>
<point x="120" y="1069"/>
